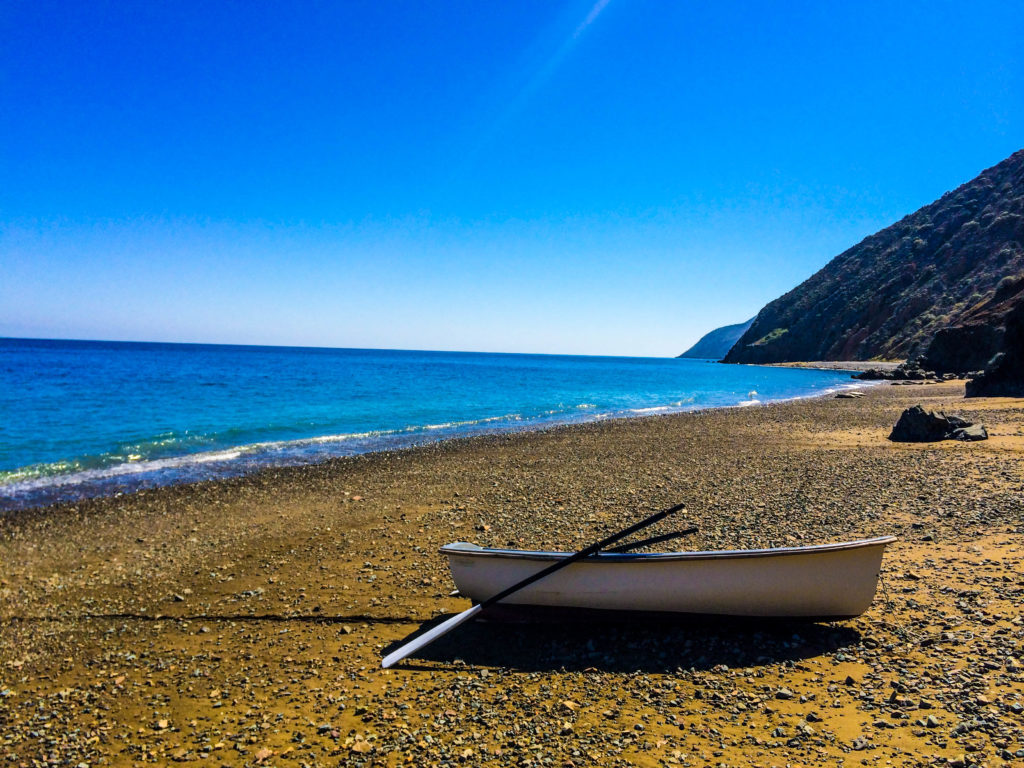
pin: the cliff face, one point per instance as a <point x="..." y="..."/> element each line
<point x="980" y="334"/>
<point x="889" y="295"/>
<point x="1004" y="375"/>
<point x="714" y="344"/>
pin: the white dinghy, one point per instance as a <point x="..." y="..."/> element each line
<point x="821" y="582"/>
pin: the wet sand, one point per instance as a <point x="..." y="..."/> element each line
<point x="242" y="622"/>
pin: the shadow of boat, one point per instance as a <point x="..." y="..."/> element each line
<point x="649" y="644"/>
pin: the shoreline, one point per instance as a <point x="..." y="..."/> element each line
<point x="244" y="620"/>
<point x="206" y="466"/>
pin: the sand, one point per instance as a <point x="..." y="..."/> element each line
<point x="242" y="622"/>
<point x="843" y="365"/>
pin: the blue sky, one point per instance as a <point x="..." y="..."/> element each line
<point x="595" y="178"/>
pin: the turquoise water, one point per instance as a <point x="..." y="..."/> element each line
<point x="85" y="418"/>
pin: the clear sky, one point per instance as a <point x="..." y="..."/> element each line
<point x="578" y="177"/>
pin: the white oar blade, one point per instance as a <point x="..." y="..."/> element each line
<point x="428" y="637"/>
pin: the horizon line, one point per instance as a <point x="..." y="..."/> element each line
<point x="339" y="349"/>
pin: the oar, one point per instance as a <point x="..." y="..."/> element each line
<point x="445" y="627"/>
<point x="653" y="540"/>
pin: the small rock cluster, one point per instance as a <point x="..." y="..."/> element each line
<point x="912" y="370"/>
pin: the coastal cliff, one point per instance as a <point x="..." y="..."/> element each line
<point x="939" y="282"/>
<point x="1004" y="374"/>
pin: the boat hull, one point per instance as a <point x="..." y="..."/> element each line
<point x="828" y="581"/>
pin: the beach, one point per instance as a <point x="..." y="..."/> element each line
<point x="242" y="621"/>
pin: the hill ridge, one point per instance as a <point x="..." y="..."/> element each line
<point x="888" y="296"/>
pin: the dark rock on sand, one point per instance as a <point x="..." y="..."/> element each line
<point x="970" y="433"/>
<point x="916" y="425"/>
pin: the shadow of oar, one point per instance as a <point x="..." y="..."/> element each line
<point x="235" y="618"/>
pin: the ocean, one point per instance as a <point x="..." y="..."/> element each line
<point x="87" y="418"/>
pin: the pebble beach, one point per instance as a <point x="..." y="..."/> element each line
<point x="241" y="622"/>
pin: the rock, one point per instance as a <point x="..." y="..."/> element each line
<point x="873" y="374"/>
<point x="916" y="425"/>
<point x="971" y="433"/>
<point x="962" y="348"/>
<point x="784" y="693"/>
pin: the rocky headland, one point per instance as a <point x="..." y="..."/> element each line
<point x="938" y="284"/>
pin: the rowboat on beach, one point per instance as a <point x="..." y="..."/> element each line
<point x="820" y="582"/>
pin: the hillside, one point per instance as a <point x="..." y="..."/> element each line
<point x="889" y="295"/>
<point x="715" y="344"/>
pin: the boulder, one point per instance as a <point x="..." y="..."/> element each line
<point x="916" y="425"/>
<point x="970" y="433"/>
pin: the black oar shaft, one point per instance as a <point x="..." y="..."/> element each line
<point x="582" y="554"/>
<point x="444" y="628"/>
<point x="653" y="540"/>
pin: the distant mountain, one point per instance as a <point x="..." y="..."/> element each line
<point x="714" y="344"/>
<point x="948" y="270"/>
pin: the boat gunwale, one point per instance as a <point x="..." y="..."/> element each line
<point x="633" y="557"/>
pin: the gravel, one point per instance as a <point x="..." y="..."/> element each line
<point x="242" y="622"/>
